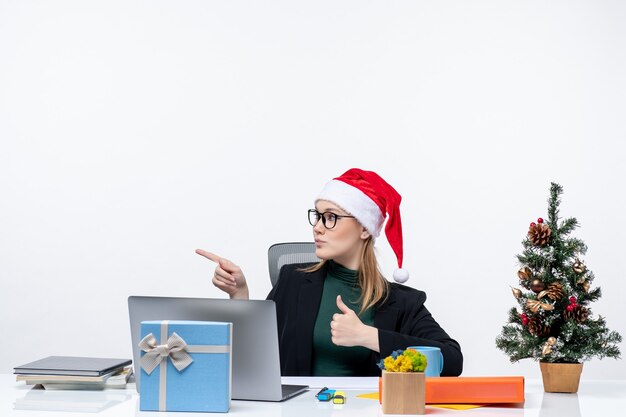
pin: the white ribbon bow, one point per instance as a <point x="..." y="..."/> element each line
<point x="175" y="349"/>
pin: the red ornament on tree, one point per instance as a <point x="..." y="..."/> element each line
<point x="539" y="220"/>
<point x="572" y="300"/>
<point x="524" y="318"/>
<point x="532" y="224"/>
<point x="570" y="307"/>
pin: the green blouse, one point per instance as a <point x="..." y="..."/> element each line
<point x="328" y="358"/>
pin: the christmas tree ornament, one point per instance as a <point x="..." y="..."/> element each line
<point x="539" y="234"/>
<point x="582" y="281"/>
<point x="537" y="286"/>
<point x="577" y="313"/>
<point x="586" y="286"/>
<point x="524" y="274"/>
<point x="572" y="304"/>
<point x="579" y="267"/>
<point x="517" y="293"/>
<point x="534" y="306"/>
<point x="555" y="291"/>
<point x="547" y="348"/>
<point x="524" y="318"/>
<point x="537" y="327"/>
<point x="539" y="220"/>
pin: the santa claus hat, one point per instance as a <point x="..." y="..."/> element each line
<point x="368" y="197"/>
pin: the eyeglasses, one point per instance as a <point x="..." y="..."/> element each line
<point x="329" y="219"/>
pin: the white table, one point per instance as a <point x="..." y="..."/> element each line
<point x="594" y="398"/>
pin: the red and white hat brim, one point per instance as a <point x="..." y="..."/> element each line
<point x="356" y="203"/>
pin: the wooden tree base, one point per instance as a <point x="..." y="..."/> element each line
<point x="561" y="377"/>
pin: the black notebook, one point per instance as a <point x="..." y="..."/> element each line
<point x="72" y="365"/>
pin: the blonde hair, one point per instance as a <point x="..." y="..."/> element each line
<point x="374" y="286"/>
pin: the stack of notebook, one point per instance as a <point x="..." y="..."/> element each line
<point x="71" y="372"/>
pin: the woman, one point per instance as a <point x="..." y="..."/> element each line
<point x="341" y="316"/>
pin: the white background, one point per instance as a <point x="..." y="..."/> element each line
<point x="132" y="133"/>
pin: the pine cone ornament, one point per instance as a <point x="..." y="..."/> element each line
<point x="537" y="327"/>
<point x="539" y="234"/>
<point x="577" y="312"/>
<point x="555" y="291"/>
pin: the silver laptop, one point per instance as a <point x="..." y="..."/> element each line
<point x="255" y="361"/>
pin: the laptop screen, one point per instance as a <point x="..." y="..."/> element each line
<point x="255" y="360"/>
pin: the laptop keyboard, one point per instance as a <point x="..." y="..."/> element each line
<point x="290" y="390"/>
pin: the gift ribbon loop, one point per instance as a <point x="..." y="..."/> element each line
<point x="175" y="349"/>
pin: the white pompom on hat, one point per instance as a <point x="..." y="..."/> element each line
<point x="369" y="198"/>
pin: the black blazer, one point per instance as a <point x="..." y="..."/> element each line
<point x="402" y="321"/>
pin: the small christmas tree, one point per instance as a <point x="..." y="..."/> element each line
<point x="554" y="322"/>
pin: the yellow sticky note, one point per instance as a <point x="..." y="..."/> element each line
<point x="374" y="396"/>
<point x="369" y="396"/>
<point x="457" y="406"/>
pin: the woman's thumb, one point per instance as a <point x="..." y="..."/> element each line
<point x="342" y="307"/>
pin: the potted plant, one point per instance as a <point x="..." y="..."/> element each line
<point x="403" y="382"/>
<point x="553" y="322"/>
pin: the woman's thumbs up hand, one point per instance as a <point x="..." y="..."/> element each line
<point x="347" y="329"/>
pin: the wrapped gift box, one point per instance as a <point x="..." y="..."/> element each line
<point x="185" y="366"/>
